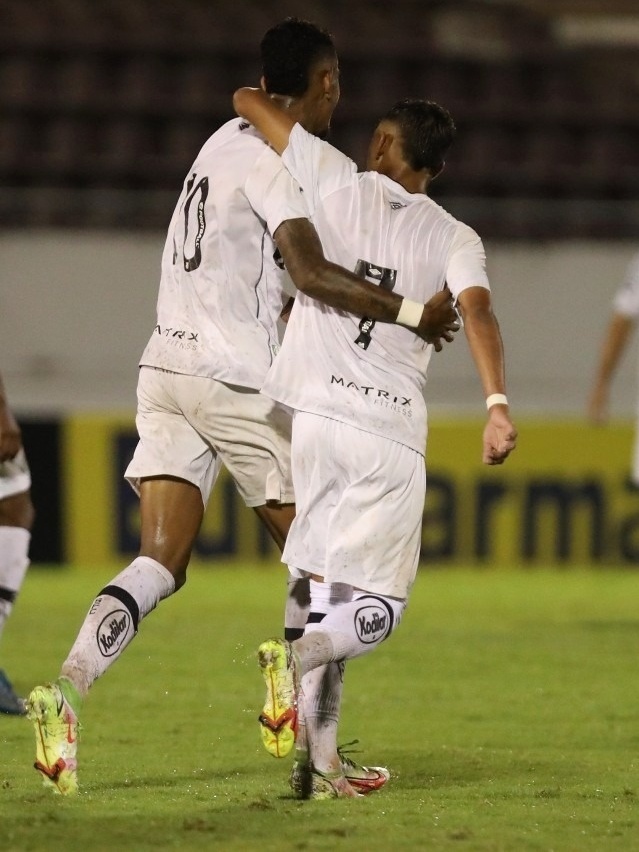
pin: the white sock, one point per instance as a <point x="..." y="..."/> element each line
<point x="113" y="619"/>
<point x="315" y="648"/>
<point x="348" y="629"/>
<point x="298" y="600"/>
<point x="358" y="627"/>
<point x="342" y="624"/>
<point x="14" y="561"/>
<point x="322" y="689"/>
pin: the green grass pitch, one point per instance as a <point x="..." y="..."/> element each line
<point x="506" y="706"/>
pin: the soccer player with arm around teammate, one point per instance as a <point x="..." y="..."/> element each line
<point x="16" y="520"/>
<point x="359" y="427"/>
<point x="199" y="404"/>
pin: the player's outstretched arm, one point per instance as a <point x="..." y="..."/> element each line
<point x="327" y="282"/>
<point x="10" y="437"/>
<point x="257" y="107"/>
<point x="486" y="347"/>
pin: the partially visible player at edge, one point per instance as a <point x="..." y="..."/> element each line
<point x="221" y="293"/>
<point x="16" y="520"/>
<point x="621" y="325"/>
<point x="359" y="424"/>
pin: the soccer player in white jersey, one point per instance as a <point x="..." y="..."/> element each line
<point x="16" y="520"/>
<point x="625" y="312"/>
<point x="359" y="424"/>
<point x="221" y="293"/>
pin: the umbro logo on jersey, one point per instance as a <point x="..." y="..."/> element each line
<point x="396" y="205"/>
<point x="244" y="125"/>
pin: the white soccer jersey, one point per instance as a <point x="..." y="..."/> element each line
<point x="370" y="375"/>
<point x="15" y="477"/>
<point x="221" y="289"/>
<point x="626" y="300"/>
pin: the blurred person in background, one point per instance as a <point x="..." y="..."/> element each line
<point x="199" y="405"/>
<point x="359" y="424"/>
<point x="16" y="520"/>
<point x="625" y="311"/>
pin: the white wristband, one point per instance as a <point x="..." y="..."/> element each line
<point x="496" y="399"/>
<point x="410" y="313"/>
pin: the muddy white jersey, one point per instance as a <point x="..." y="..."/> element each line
<point x="626" y="300"/>
<point x="370" y="375"/>
<point x="221" y="287"/>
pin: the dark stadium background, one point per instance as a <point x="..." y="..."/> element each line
<point x="104" y="104"/>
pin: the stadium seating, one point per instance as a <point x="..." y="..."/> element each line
<point x="116" y="97"/>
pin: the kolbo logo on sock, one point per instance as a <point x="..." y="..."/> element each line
<point x="113" y="632"/>
<point x="371" y="624"/>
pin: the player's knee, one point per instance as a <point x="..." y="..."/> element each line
<point x="180" y="578"/>
<point x="174" y="565"/>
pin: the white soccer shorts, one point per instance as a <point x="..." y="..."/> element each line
<point x="189" y="426"/>
<point x="15" y="477"/>
<point x="359" y="506"/>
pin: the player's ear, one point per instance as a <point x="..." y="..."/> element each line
<point x="328" y="77"/>
<point x="327" y="82"/>
<point x="375" y="149"/>
<point x="384" y="143"/>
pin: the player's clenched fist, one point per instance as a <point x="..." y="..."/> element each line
<point x="500" y="436"/>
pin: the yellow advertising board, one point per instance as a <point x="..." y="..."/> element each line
<point x="562" y="497"/>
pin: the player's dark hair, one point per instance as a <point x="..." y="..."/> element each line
<point x="289" y="50"/>
<point x="427" y="132"/>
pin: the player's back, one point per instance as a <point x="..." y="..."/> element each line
<point x="220" y="289"/>
<point x="399" y="240"/>
<point x="369" y="374"/>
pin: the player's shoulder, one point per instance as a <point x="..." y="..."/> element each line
<point x="417" y="210"/>
<point x="231" y="152"/>
<point x="430" y="212"/>
<point x="459" y="231"/>
<point x="452" y="234"/>
<point x="237" y="133"/>
<point x="266" y="174"/>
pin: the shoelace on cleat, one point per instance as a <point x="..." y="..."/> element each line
<point x="344" y="750"/>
